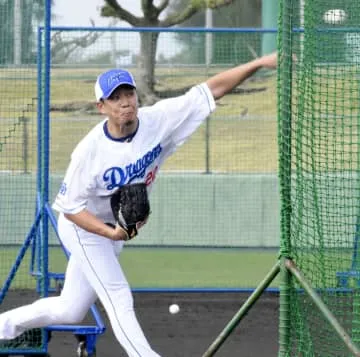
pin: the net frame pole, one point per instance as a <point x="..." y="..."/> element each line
<point x="46" y="147"/>
<point x="284" y="132"/>
<point x="35" y="252"/>
<point x="39" y="106"/>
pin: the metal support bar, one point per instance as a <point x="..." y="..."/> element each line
<point x="243" y="311"/>
<point x="291" y="266"/>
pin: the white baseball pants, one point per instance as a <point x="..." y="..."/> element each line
<point x="93" y="271"/>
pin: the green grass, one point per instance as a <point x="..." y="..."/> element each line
<point x="195" y="267"/>
<point x="237" y="141"/>
<point x="169" y="267"/>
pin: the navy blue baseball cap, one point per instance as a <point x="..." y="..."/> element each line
<point x="108" y="81"/>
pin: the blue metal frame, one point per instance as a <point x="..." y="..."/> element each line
<point x="344" y="277"/>
<point x="39" y="144"/>
<point x="165" y="29"/>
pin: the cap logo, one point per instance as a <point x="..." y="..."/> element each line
<point x="110" y="80"/>
<point x="115" y="79"/>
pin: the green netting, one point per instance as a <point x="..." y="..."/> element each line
<point x="18" y="159"/>
<point x="319" y="140"/>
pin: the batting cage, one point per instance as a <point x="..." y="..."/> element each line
<point x="318" y="86"/>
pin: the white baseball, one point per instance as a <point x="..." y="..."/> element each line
<point x="335" y="16"/>
<point x="174" y="309"/>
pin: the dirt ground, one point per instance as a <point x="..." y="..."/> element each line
<point x="189" y="333"/>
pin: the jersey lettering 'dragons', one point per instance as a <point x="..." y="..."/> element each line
<point x="117" y="176"/>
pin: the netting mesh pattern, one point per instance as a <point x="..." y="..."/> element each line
<point x="319" y="142"/>
<point x="18" y="162"/>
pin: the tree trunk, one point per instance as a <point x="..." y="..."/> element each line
<point x="146" y="66"/>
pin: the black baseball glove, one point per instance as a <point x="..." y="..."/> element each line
<point x="130" y="206"/>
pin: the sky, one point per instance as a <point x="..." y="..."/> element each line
<point x="78" y="12"/>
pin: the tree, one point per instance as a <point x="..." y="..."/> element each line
<point x="240" y="13"/>
<point x="226" y="48"/>
<point x="148" y="40"/>
<point x="62" y="49"/>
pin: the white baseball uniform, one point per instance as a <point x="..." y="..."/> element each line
<point x="99" y="165"/>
